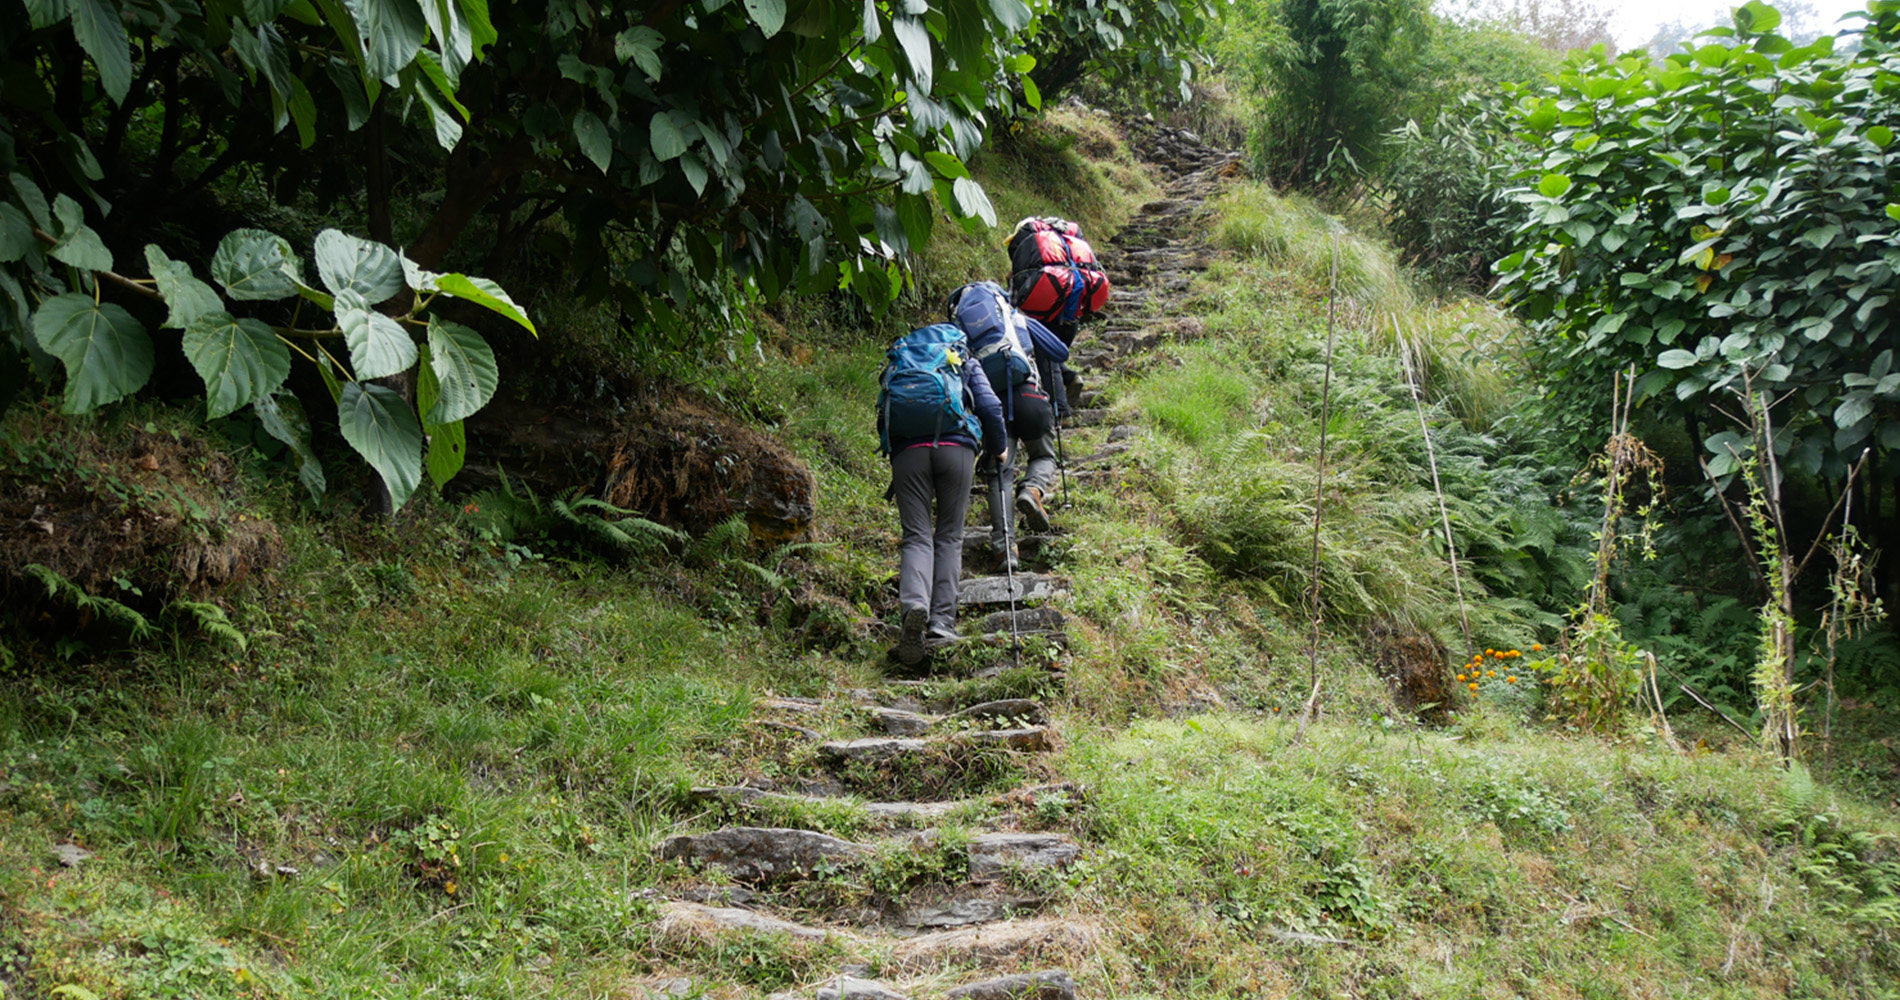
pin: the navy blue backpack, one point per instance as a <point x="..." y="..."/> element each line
<point x="921" y="392"/>
<point x="998" y="333"/>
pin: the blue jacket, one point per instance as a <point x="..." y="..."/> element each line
<point x="989" y="413"/>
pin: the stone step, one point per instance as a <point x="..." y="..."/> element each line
<point x="994" y="855"/>
<point x="844" y="988"/>
<point x="763" y="854"/>
<point x="1012" y="942"/>
<point x="886" y="749"/>
<point x="1048" y="984"/>
<point x="702" y="922"/>
<point x="1003" y="589"/>
<point x="962" y="906"/>
<point x="1029" y="545"/>
<point x="1044" y="621"/>
<point x="900" y="722"/>
<point x="880" y="815"/>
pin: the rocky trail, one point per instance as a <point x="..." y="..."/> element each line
<point x="957" y="834"/>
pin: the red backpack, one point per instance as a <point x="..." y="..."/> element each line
<point x="1057" y="279"/>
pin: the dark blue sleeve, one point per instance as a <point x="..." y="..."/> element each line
<point x="989" y="410"/>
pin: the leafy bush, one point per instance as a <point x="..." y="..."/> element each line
<point x="1724" y="211"/>
<point x="1443" y="207"/>
<point x="1334" y="73"/>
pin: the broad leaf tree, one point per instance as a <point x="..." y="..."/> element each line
<point x="1729" y="215"/>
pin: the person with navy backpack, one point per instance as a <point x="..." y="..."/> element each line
<point x="1022" y="360"/>
<point x="935" y="410"/>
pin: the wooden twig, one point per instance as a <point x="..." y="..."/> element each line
<point x="1412" y="380"/>
<point x="1311" y="708"/>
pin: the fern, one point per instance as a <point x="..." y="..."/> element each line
<point x="210" y="620"/>
<point x="61" y="589"/>
<point x="586" y="524"/>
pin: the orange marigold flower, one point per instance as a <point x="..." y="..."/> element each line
<point x="1511" y="679"/>
<point x="1537" y="647"/>
<point x="1473" y="685"/>
<point x="1461" y="678"/>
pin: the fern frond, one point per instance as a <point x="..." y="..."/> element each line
<point x="60" y="588"/>
<point x="211" y="620"/>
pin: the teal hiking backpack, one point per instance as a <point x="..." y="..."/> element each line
<point x="920" y="392"/>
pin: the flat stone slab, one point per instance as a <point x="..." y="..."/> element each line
<point x="1088" y="418"/>
<point x="993" y="944"/>
<point x="874" y="749"/>
<point x="898" y="722"/>
<point x="911" y="814"/>
<point x="995" y="854"/>
<point x="761" y="853"/>
<point x="1027" y="621"/>
<point x="997" y="589"/>
<point x="964" y="909"/>
<point x="1050" y="984"/>
<point x="885" y="815"/>
<point x="695" y="920"/>
<point x="846" y="988"/>
<point x="70" y="855"/>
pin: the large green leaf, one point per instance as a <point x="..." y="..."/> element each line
<point x="769" y="15"/>
<point x="484" y="293"/>
<point x="594" y="141"/>
<point x="464" y="367"/>
<point x="98" y="29"/>
<point x="16" y="234"/>
<point x="241" y="360"/>
<point x="379" y="346"/>
<point x="76" y="243"/>
<point x="106" y="352"/>
<point x="369" y="269"/>
<point x="448" y="443"/>
<point x="642" y="45"/>
<point x="972" y="202"/>
<point x="254" y="265"/>
<point x="46" y="13"/>
<point x="914" y="38"/>
<point x="392" y="32"/>
<point x="664" y="135"/>
<point x="283" y="418"/>
<point x="382" y="429"/>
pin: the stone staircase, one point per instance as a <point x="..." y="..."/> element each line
<point x="914" y="828"/>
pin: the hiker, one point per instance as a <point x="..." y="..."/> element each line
<point x="1055" y="278"/>
<point x="935" y="410"/>
<point x="1022" y="360"/>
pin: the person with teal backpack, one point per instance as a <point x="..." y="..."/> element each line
<point x="935" y="410"/>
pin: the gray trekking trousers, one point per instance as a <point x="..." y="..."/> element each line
<point x="1003" y="487"/>
<point x="930" y="556"/>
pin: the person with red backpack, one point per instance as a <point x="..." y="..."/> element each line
<point x="1056" y="279"/>
<point x="1022" y="360"/>
<point x="935" y="410"/>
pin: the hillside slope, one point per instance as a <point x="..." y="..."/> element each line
<point x="449" y="765"/>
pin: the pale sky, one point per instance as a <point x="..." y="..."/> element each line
<point x="1637" y="20"/>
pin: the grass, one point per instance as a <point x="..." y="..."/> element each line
<point x="441" y="767"/>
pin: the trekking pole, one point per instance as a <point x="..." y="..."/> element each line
<point x="1009" y="576"/>
<point x="1062" y="463"/>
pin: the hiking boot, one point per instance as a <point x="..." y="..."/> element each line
<point x="1004" y="562"/>
<point x="910" y="639"/>
<point x="940" y="635"/>
<point x="1029" y="504"/>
